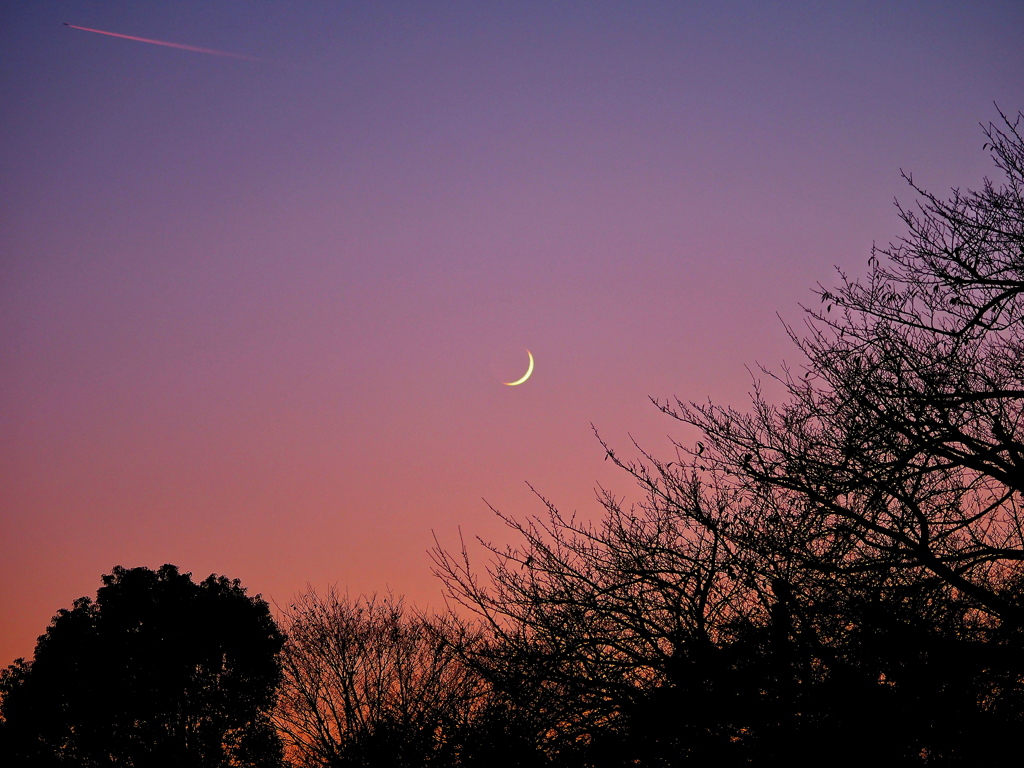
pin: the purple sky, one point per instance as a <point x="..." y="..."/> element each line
<point x="254" y="315"/>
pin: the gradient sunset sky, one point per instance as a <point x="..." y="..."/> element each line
<point x="255" y="312"/>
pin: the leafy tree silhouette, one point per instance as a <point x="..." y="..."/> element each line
<point x="157" y="671"/>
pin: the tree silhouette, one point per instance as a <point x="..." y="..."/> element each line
<point x="845" y="563"/>
<point x="157" y="671"/>
<point x="901" y="444"/>
<point x="368" y="682"/>
<point x="607" y="632"/>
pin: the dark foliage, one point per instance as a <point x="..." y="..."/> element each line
<point x="157" y="671"/>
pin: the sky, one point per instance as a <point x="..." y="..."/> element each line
<point x="256" y="310"/>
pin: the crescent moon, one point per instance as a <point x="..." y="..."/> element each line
<point x="525" y="375"/>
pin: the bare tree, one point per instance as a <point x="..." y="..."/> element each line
<point x="592" y="623"/>
<point x="902" y="442"/>
<point x="369" y="682"/>
<point x="846" y="561"/>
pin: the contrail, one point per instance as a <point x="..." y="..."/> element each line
<point x="182" y="46"/>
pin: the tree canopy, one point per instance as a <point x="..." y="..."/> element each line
<point x="156" y="671"/>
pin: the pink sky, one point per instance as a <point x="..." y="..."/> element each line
<point x="254" y="315"/>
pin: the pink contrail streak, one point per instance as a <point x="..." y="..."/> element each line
<point x="182" y="46"/>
